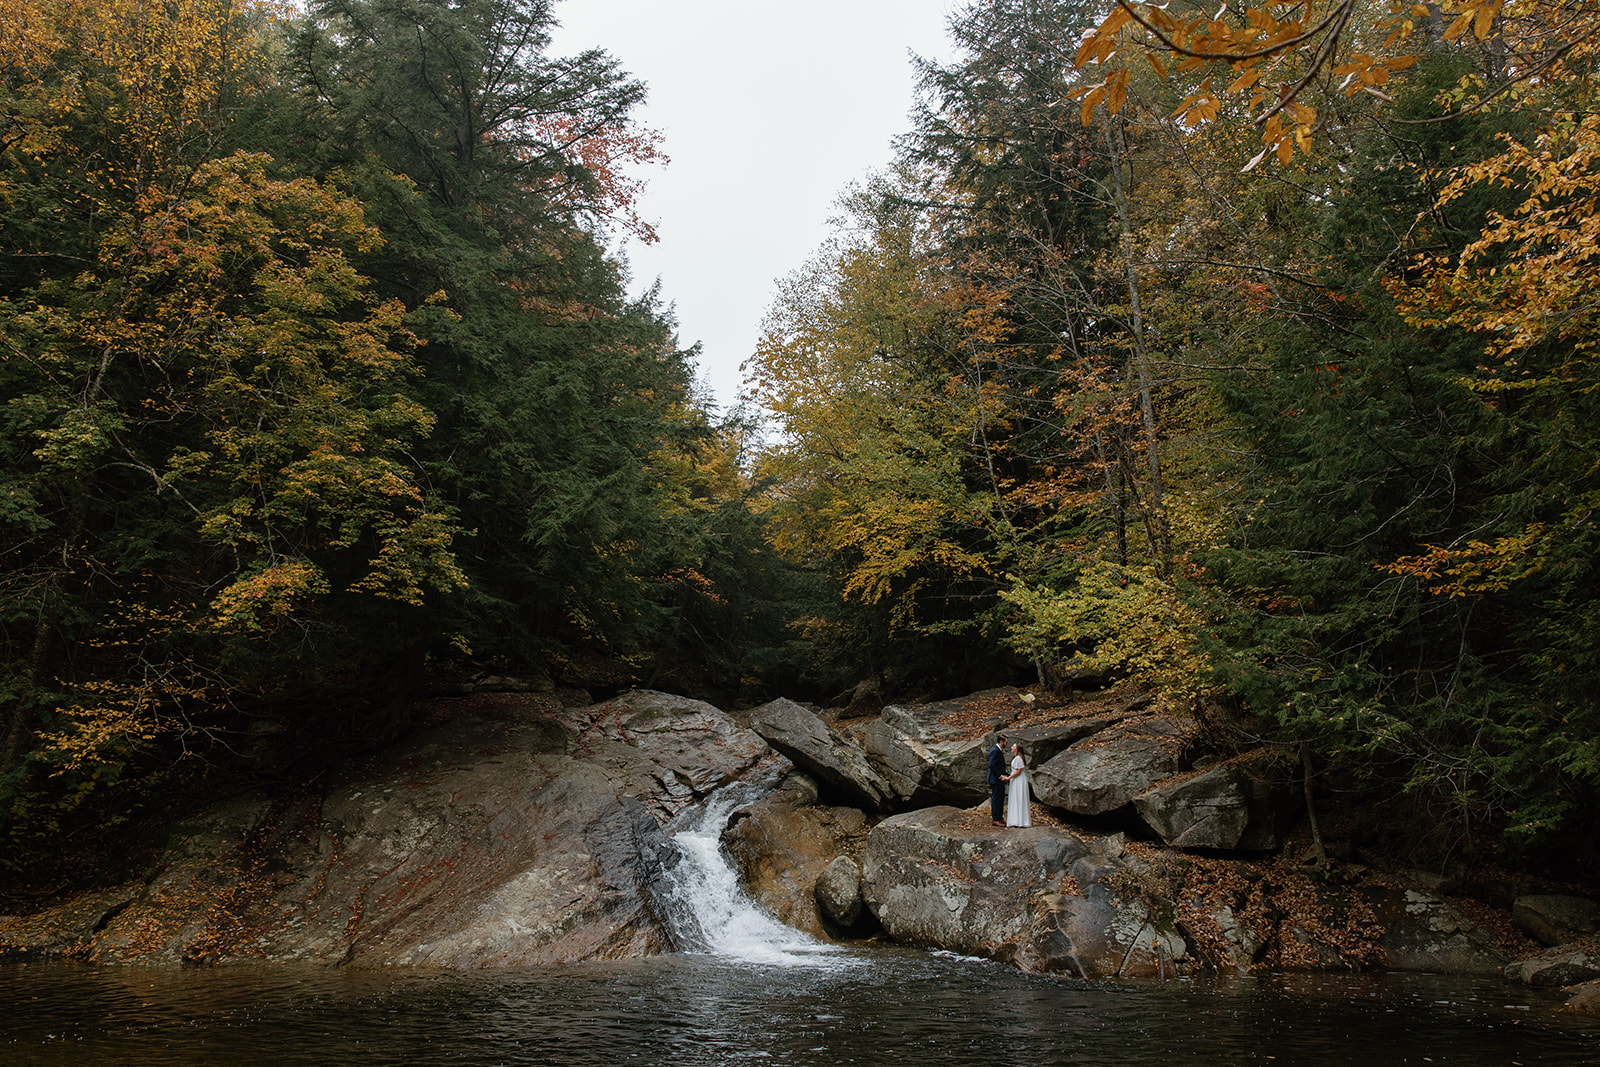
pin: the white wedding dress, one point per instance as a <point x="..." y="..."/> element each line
<point x="1018" y="811"/>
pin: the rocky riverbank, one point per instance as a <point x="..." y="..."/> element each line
<point x="524" y="829"/>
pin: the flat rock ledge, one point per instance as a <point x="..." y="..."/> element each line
<point x="1050" y="900"/>
<point x="533" y="838"/>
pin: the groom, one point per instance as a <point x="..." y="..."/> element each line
<point x="997" y="764"/>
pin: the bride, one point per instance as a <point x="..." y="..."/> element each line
<point x="1018" y="812"/>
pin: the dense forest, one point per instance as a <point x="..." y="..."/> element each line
<point x="1242" y="355"/>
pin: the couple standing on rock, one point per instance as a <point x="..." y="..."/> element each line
<point x="1016" y="807"/>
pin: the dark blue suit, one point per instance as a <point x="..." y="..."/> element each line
<point x="997" y="792"/>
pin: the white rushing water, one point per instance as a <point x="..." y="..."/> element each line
<point x="709" y="910"/>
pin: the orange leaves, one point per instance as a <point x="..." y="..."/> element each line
<point x="1244" y="81"/>
<point x="1478" y="566"/>
<point x="1365" y="72"/>
<point x="1290" y="43"/>
<point x="1199" y="107"/>
<point x="1476" y="15"/>
<point x="29" y="36"/>
<point x="1102" y="42"/>
<point x="1526" y="289"/>
<point x="607" y="153"/>
<point x="274" y="591"/>
<point x="1113" y="91"/>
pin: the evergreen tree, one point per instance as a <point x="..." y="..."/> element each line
<point x="552" y="388"/>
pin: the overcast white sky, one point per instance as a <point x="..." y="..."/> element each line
<point x="769" y="110"/>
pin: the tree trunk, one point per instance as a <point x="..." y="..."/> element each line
<point x="1156" y="497"/>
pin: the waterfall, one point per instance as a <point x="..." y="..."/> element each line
<point x="705" y="908"/>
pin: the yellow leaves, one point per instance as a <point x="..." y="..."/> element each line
<point x="897" y="536"/>
<point x="100" y="721"/>
<point x="1120" y="620"/>
<point x="29" y="36"/>
<point x="1525" y="287"/>
<point x="272" y="592"/>
<point x="291" y="380"/>
<point x="867" y="469"/>
<point x="414" y="557"/>
<point x="157" y="74"/>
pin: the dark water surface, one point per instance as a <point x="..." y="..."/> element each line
<point x="857" y="1007"/>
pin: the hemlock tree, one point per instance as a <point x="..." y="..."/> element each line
<point x="553" y="390"/>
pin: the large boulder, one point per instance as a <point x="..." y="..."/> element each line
<point x="837" y="763"/>
<point x="784" y="842"/>
<point x="962" y="717"/>
<point x="1555" y="969"/>
<point x="1107" y="770"/>
<point x="1555" y="919"/>
<point x="1041" y="744"/>
<point x="1036" y="897"/>
<point x="1424" y="933"/>
<point x="838" y="893"/>
<point x="927" y="761"/>
<point x="922" y="771"/>
<point x="695" y="746"/>
<point x="1231" y="806"/>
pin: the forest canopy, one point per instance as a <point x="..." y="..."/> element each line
<point x="320" y="387"/>
<point x="1242" y="354"/>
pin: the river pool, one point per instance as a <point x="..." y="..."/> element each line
<point x="859" y="1006"/>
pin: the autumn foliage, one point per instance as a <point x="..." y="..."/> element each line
<point x="1251" y="358"/>
<point x="317" y="384"/>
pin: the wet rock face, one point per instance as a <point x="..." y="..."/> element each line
<point x="169" y="918"/>
<point x="478" y="844"/>
<point x="842" y="771"/>
<point x="67" y="930"/>
<point x="783" y="844"/>
<point x="838" y="893"/>
<point x="537" y="837"/>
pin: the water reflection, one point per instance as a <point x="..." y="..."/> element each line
<point x="872" y="1007"/>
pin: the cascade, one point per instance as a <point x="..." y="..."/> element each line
<point x="705" y="908"/>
